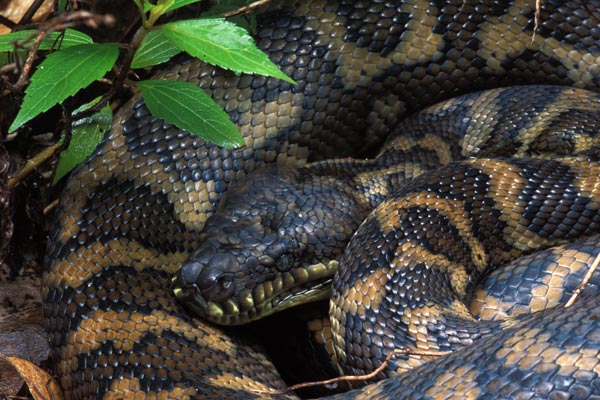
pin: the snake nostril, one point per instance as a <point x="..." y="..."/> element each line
<point x="211" y="273"/>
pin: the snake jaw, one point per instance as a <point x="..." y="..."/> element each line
<point x="192" y="297"/>
<point x="288" y="289"/>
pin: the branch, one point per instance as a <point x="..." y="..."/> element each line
<point x="348" y="378"/>
<point x="584" y="281"/>
<point x="32" y="164"/>
<point x="245" y="9"/>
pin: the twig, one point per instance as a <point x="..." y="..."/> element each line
<point x="28" y="16"/>
<point x="348" y="378"/>
<point x="50" y="207"/>
<point x="584" y="281"/>
<point x="245" y="9"/>
<point x="8" y="317"/>
<point x="63" y="21"/>
<point x="24" y="76"/>
<point x="32" y="164"/>
<point x="536" y="23"/>
<point x="7" y="22"/>
<point x="5" y="69"/>
<point x="82" y="17"/>
<point x="65" y="126"/>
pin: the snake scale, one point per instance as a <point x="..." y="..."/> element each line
<point x="133" y="213"/>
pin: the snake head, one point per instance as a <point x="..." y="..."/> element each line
<point x="267" y="247"/>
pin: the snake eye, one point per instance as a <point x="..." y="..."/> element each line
<point x="285" y="262"/>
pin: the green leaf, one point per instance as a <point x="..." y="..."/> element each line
<point x="180" y="3"/>
<point x="148" y="6"/>
<point x="222" y="43"/>
<point x="54" y="40"/>
<point x="62" y="74"/>
<point x="246" y="21"/>
<point x="156" y="48"/>
<point x="189" y="107"/>
<point x="87" y="133"/>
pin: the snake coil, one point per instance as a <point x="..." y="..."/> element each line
<point x="133" y="213"/>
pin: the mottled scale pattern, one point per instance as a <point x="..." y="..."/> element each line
<point x="134" y="211"/>
<point x="538" y="281"/>
<point x="407" y="275"/>
<point x="555" y="358"/>
<point x="278" y="250"/>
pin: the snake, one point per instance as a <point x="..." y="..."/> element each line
<point x="410" y="249"/>
<point x="134" y="212"/>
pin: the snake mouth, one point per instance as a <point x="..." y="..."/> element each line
<point x="285" y="290"/>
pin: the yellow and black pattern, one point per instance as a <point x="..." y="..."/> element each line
<point x="538" y="281"/>
<point x="406" y="279"/>
<point x="134" y="212"/>
<point x="282" y="248"/>
<point x="555" y="357"/>
<point x="407" y="275"/>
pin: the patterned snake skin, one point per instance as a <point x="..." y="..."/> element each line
<point x="134" y="212"/>
<point x="405" y="276"/>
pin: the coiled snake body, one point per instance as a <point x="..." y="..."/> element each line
<point x="134" y="212"/>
